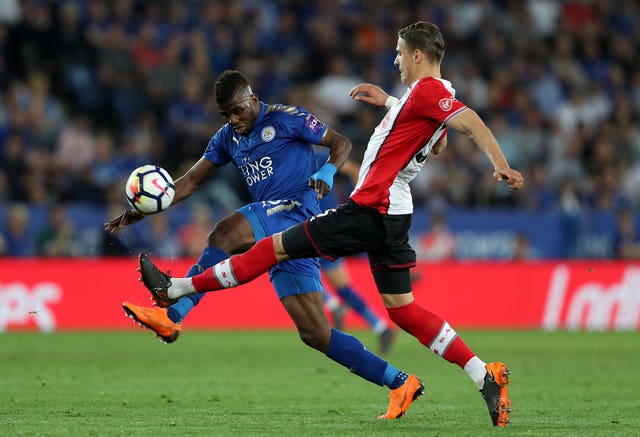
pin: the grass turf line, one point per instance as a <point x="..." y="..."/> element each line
<point x="268" y="383"/>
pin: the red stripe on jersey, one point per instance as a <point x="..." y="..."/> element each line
<point x="409" y="128"/>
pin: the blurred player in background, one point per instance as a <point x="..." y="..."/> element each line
<point x="272" y="146"/>
<point x="377" y="217"/>
<point x="335" y="272"/>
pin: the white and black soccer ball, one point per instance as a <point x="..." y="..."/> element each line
<point x="150" y="189"/>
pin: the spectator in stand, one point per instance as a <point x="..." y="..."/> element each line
<point x="105" y="169"/>
<point x="46" y="115"/>
<point x="188" y="122"/>
<point x="57" y="239"/>
<point x="164" y="84"/>
<point x="76" y="145"/>
<point x="438" y="243"/>
<point x="161" y="239"/>
<point x="626" y="238"/>
<point x="13" y="166"/>
<point x="522" y="250"/>
<point x="17" y="235"/>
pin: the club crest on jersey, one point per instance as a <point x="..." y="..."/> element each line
<point x="268" y="134"/>
<point x="446" y="104"/>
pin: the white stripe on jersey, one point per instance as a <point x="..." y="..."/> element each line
<point x="383" y="182"/>
<point x="224" y="274"/>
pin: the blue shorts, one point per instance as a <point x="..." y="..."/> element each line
<point x="267" y="218"/>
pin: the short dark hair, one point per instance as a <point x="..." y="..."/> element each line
<point x="424" y="36"/>
<point x="229" y="82"/>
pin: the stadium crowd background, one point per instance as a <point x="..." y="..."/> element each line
<point x="89" y="90"/>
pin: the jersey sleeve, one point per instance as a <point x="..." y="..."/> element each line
<point x="306" y="126"/>
<point x="437" y="101"/>
<point x="216" y="151"/>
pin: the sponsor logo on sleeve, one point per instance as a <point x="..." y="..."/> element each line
<point x="313" y="124"/>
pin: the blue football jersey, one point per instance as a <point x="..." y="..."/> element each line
<point x="276" y="159"/>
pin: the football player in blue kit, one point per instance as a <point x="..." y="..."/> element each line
<point x="272" y="146"/>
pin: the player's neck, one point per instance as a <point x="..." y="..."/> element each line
<point x="427" y="71"/>
<point x="432" y="71"/>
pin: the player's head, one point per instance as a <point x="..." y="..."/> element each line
<point x="236" y="101"/>
<point x="418" y="42"/>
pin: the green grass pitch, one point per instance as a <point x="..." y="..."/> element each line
<point x="268" y="383"/>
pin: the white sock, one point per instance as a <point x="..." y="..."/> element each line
<point x="380" y="327"/>
<point x="332" y="302"/>
<point x="180" y="287"/>
<point x="476" y="370"/>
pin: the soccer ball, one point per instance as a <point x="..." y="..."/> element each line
<point x="150" y="189"/>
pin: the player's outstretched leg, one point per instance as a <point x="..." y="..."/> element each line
<point x="166" y="321"/>
<point x="210" y="256"/>
<point x="155" y="319"/>
<point x="156" y="281"/>
<point x="494" y="391"/>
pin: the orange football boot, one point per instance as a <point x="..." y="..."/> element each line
<point x="401" y="398"/>
<point x="155" y="319"/>
<point x="495" y="393"/>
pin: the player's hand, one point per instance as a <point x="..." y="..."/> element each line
<point x="319" y="187"/>
<point x="126" y="218"/>
<point x="369" y="93"/>
<point x="439" y="146"/>
<point x="513" y="177"/>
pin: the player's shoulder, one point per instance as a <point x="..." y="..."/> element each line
<point x="285" y="111"/>
<point x="434" y="85"/>
<point x="434" y="89"/>
<point x="222" y="136"/>
<point x="224" y="132"/>
<point x="281" y="109"/>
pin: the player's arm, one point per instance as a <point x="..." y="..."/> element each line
<point x="373" y="94"/>
<point x="185" y="186"/>
<point x="439" y="145"/>
<point x="339" y="150"/>
<point x="469" y="123"/>
<point x="188" y="183"/>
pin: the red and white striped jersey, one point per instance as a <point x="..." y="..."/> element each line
<point x="400" y="144"/>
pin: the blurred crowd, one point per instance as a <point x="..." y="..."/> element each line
<point x="89" y="90"/>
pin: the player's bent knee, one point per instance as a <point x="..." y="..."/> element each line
<point x="228" y="238"/>
<point x="316" y="338"/>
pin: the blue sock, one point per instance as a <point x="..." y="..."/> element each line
<point x="358" y="305"/>
<point x="210" y="256"/>
<point x="348" y="351"/>
<point x="394" y="378"/>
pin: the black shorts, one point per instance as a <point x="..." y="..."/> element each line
<point x="350" y="229"/>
